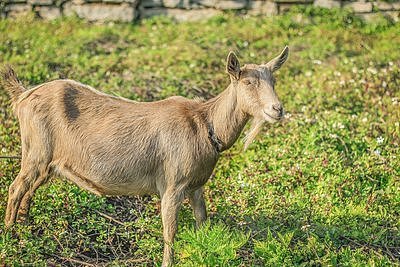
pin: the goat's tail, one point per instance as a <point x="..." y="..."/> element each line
<point x="9" y="81"/>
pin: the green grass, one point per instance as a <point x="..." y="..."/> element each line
<point x="321" y="188"/>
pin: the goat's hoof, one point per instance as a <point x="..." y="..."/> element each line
<point x="23" y="219"/>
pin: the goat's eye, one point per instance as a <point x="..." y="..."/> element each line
<point x="246" y="82"/>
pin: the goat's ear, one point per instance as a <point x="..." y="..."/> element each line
<point x="277" y="62"/>
<point x="233" y="66"/>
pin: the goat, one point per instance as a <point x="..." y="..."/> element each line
<point x="114" y="146"/>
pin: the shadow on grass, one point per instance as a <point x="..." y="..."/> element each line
<point x="82" y="242"/>
<point x="332" y="234"/>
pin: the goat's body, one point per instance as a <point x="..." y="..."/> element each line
<point x="114" y="146"/>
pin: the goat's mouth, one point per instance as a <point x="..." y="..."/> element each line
<point x="269" y="117"/>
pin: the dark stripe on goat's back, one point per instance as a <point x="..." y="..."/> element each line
<point x="70" y="105"/>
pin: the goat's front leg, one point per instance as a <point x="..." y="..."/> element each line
<point x="196" y="199"/>
<point x="170" y="204"/>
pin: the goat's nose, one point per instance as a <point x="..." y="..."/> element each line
<point x="278" y="107"/>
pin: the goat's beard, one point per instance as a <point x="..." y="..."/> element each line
<point x="255" y="127"/>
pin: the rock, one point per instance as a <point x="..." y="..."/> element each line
<point x="262" y="8"/>
<point x="327" y="3"/>
<point x="180" y="14"/>
<point x="231" y="4"/>
<point x="13" y="1"/>
<point x="151" y="3"/>
<point x="396" y="5"/>
<point x="370" y="17"/>
<point x="48" y="12"/>
<point x="206" y="3"/>
<point x="41" y="2"/>
<point x="18" y="8"/>
<point x="282" y="8"/>
<point x="383" y="6"/>
<point x="113" y="1"/>
<point x="373" y="17"/>
<point x="394" y="15"/>
<point x="360" y="7"/>
<point x="176" y="3"/>
<point x="151" y="12"/>
<point x="102" y="12"/>
<point x="79" y="2"/>
<point x="293" y="2"/>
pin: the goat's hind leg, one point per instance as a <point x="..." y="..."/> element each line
<point x="23" y="211"/>
<point x="30" y="177"/>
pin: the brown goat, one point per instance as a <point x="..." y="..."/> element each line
<point x="114" y="146"/>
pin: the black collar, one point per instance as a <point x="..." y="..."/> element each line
<point x="215" y="141"/>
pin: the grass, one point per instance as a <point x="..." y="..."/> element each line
<point x="321" y="188"/>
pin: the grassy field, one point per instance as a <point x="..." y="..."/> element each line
<point x="322" y="188"/>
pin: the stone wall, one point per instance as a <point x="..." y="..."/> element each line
<point x="181" y="10"/>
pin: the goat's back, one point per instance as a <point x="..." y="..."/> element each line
<point x="123" y="146"/>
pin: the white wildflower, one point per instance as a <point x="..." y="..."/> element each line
<point x="317" y="62"/>
<point x="288" y="115"/>
<point x="338" y="125"/>
<point x="372" y="70"/>
<point x="380" y="140"/>
<point x="364" y="119"/>
<point x="377" y="152"/>
<point x="384" y="84"/>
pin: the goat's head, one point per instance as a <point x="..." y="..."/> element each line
<point x="254" y="85"/>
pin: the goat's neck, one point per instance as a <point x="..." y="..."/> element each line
<point x="226" y="116"/>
